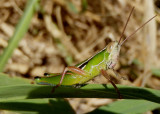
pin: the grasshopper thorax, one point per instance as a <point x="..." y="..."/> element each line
<point x="113" y="48"/>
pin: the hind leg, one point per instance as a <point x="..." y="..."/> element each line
<point x="73" y="69"/>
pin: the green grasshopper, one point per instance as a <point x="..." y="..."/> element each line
<point x="90" y="68"/>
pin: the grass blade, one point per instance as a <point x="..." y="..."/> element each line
<point x="6" y="80"/>
<point x="84" y="5"/>
<point x="88" y="91"/>
<point x="127" y="107"/>
<point x="19" y="33"/>
<point x="38" y="106"/>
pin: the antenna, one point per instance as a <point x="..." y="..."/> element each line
<point x="125" y="26"/>
<point x="138" y="29"/>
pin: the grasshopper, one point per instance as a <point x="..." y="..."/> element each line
<point x="92" y="67"/>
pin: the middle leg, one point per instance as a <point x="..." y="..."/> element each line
<point x="104" y="73"/>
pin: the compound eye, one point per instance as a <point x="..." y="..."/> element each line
<point x="110" y="47"/>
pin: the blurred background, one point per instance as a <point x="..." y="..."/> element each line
<point x="65" y="32"/>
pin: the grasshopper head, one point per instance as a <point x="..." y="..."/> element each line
<point x="113" y="48"/>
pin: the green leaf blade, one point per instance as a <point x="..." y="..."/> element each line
<point x="127" y="107"/>
<point x="6" y="80"/>
<point x="38" y="106"/>
<point x="88" y="91"/>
